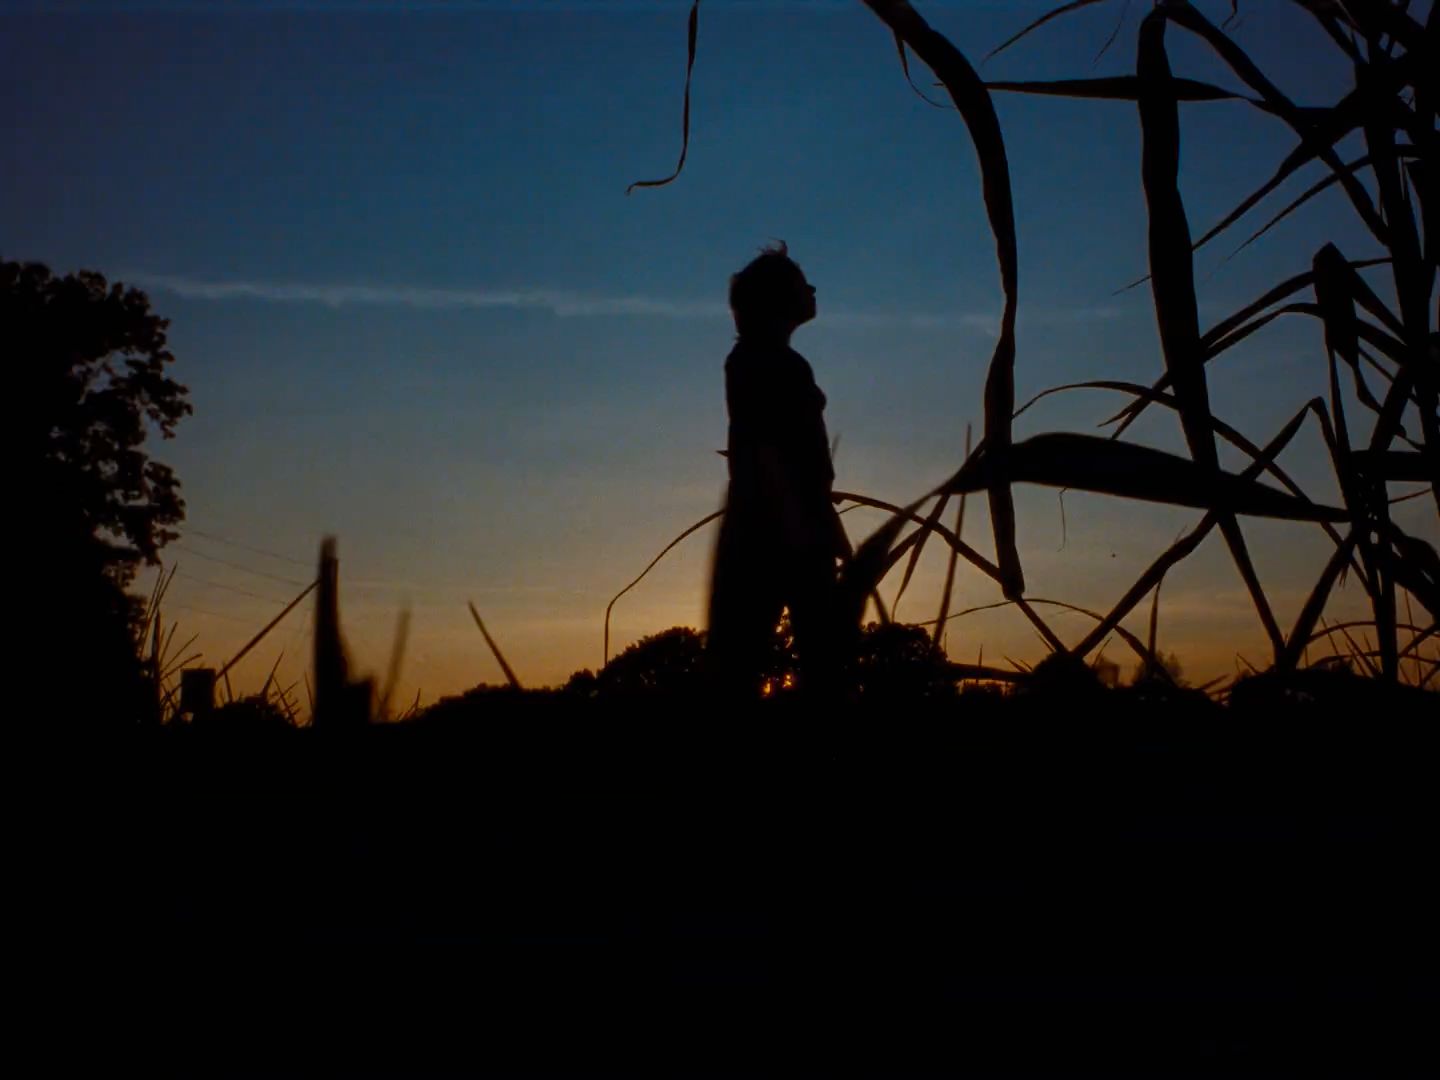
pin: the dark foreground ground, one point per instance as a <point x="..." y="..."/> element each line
<point x="589" y="891"/>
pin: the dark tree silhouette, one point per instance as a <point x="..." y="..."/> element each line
<point x="896" y="662"/>
<point x="667" y="663"/>
<point x="90" y="361"/>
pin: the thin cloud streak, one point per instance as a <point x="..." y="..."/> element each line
<point x="560" y="303"/>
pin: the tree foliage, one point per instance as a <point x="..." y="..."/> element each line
<point x="91" y="359"/>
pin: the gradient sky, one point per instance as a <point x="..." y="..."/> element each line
<point x="415" y="308"/>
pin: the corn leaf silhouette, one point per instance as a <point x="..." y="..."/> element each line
<point x="1117" y="88"/>
<point x="978" y="111"/>
<point x="692" y="33"/>
<point x="1109" y="467"/>
<point x="1063" y="9"/>
<point x="953" y="562"/>
<point x="494" y="649"/>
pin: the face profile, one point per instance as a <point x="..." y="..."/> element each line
<point x="807" y="306"/>
<point x="771" y="297"/>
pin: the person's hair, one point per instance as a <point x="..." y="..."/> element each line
<point x="763" y="294"/>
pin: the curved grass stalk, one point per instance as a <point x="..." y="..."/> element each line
<point x="1224" y="430"/>
<point x="693" y="29"/>
<point x="1173" y="277"/>
<point x="973" y="102"/>
<point x="706" y="520"/>
<point x="948" y="590"/>
<point x="1146" y="656"/>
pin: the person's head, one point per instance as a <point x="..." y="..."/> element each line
<point x="770" y="296"/>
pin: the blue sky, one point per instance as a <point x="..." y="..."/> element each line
<point x="416" y="309"/>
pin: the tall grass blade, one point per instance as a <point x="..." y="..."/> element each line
<point x="175" y="665"/>
<point x="1328" y="629"/>
<point x="167" y="646"/>
<point x="1128" y="470"/>
<point x="157" y="596"/>
<point x="1414" y="274"/>
<point x="288" y="706"/>
<point x="1292" y="164"/>
<point x="862" y="572"/>
<point x="1171" y="270"/>
<point x="1171" y="265"/>
<point x="1337" y="307"/>
<point x="179" y="665"/>
<point x="155" y="661"/>
<point x="1317" y="138"/>
<point x="1048" y="636"/>
<point x="694" y="26"/>
<point x="1300" y="636"/>
<point x="978" y="111"/>
<point x="1224" y="430"/>
<point x="332" y="666"/>
<point x="1114" y="88"/>
<point x="1416" y="568"/>
<point x="1155" y="621"/>
<point x="265" y="687"/>
<point x="1286" y="289"/>
<point x="1304" y="197"/>
<point x="1063" y="9"/>
<point x="1421" y="636"/>
<point x="1325" y="13"/>
<point x="1146" y="656"/>
<point x="1186" y="544"/>
<point x="265" y="631"/>
<point x="922" y="535"/>
<point x="1363" y="655"/>
<point x="1114" y="34"/>
<point x="653" y="562"/>
<point x="397" y="658"/>
<point x="494" y="649"/>
<point x="1424" y="683"/>
<point x="964" y="550"/>
<point x="948" y="590"/>
<point x="1402" y="390"/>
<point x="1379" y="17"/>
<point x="1409" y="495"/>
<point x="905" y="67"/>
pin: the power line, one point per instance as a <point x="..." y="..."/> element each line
<point x="243" y="569"/>
<point x="207" y="611"/>
<point x="228" y="588"/>
<point x="248" y="547"/>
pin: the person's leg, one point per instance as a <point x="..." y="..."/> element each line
<point x="815" y="617"/>
<point x="745" y="605"/>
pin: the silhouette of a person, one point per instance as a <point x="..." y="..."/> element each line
<point x="780" y="536"/>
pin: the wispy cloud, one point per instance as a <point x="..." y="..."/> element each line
<point x="988" y="323"/>
<point x="558" y="302"/>
<point x="568" y="305"/>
